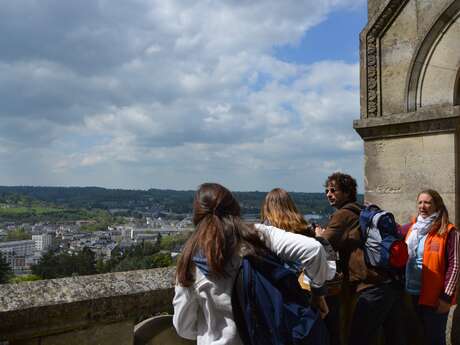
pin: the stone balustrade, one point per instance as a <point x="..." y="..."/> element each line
<point x="89" y="310"/>
<point x="99" y="309"/>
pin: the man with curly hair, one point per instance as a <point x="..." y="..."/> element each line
<point x="378" y="296"/>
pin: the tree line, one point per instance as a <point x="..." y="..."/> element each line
<point x="167" y="200"/>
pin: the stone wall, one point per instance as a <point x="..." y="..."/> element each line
<point x="99" y="309"/>
<point x="410" y="112"/>
<point x="399" y="168"/>
<point x="410" y="68"/>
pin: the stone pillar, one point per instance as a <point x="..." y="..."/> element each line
<point x="410" y="106"/>
<point x="410" y="120"/>
<point x="403" y="158"/>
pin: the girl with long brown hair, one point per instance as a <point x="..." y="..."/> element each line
<point x="211" y="258"/>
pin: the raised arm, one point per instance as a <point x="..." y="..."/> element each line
<point x="294" y="247"/>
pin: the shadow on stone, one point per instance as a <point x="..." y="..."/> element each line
<point x="158" y="330"/>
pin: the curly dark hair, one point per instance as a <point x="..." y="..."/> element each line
<point x="344" y="182"/>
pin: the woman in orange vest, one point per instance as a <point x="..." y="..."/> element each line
<point x="433" y="268"/>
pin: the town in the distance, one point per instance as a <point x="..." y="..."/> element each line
<point x="54" y="232"/>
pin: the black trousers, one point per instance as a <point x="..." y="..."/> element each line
<point x="318" y="334"/>
<point x="378" y="306"/>
<point x="434" y="324"/>
<point x="332" y="320"/>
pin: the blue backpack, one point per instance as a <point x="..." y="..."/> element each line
<point x="383" y="246"/>
<point x="268" y="304"/>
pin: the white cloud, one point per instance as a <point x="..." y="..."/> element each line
<point x="185" y="91"/>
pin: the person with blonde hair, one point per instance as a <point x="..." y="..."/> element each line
<point x="433" y="268"/>
<point x="279" y="210"/>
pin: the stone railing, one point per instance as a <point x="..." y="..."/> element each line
<point x="99" y="309"/>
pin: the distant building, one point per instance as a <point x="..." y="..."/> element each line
<point x="146" y="237"/>
<point x="19" y="255"/>
<point x="43" y="242"/>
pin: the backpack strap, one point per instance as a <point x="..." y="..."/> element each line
<point x="356" y="208"/>
<point x="238" y="307"/>
<point x="353" y="207"/>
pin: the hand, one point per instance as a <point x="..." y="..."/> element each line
<point x="443" y="307"/>
<point x="320" y="303"/>
<point x="318" y="230"/>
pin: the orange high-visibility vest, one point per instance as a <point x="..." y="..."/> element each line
<point x="433" y="266"/>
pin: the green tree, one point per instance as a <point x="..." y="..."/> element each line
<point x="132" y="263"/>
<point x="5" y="270"/>
<point x="53" y="265"/>
<point x="25" y="278"/>
<point x="86" y="262"/>
<point x="18" y="235"/>
<point x="173" y="241"/>
<point x="161" y="260"/>
<point x="47" y="266"/>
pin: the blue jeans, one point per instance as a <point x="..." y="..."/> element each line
<point x="433" y="323"/>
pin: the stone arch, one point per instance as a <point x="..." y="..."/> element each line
<point x="433" y="78"/>
<point x="457" y="89"/>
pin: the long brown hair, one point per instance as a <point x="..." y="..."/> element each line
<point x="219" y="232"/>
<point x="442" y="221"/>
<point x="280" y="210"/>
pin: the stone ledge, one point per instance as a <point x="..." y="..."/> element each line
<point x="53" y="306"/>
<point x="426" y="120"/>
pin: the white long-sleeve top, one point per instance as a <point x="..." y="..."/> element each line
<point x="203" y="311"/>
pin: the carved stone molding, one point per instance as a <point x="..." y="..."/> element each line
<point x="411" y="128"/>
<point x="429" y="120"/>
<point x="373" y="36"/>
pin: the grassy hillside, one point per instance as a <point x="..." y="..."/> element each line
<point x="72" y="201"/>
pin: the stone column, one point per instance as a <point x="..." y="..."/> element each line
<point x="409" y="152"/>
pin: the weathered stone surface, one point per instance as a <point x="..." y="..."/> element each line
<point x="47" y="307"/>
<point x="120" y="333"/>
<point x="398" y="169"/>
<point x="410" y="63"/>
<point x="426" y="120"/>
<point x="158" y="330"/>
<point x="373" y="7"/>
<point x="397" y="48"/>
<point x="427" y="12"/>
<point x="395" y="34"/>
<point x="437" y="84"/>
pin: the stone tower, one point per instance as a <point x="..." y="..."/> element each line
<point x="410" y="103"/>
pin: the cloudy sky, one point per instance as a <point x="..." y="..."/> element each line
<point x="142" y="94"/>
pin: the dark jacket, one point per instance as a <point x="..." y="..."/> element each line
<point x="343" y="233"/>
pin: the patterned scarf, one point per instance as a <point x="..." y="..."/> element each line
<point x="420" y="229"/>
